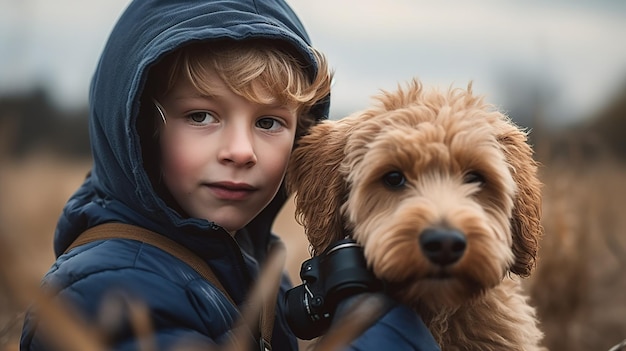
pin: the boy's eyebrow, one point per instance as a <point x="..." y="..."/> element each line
<point x="279" y="106"/>
<point x="196" y="96"/>
<point x="275" y="105"/>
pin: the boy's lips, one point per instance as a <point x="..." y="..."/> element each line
<point x="231" y="190"/>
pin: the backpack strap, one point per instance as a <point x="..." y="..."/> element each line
<point x="126" y="231"/>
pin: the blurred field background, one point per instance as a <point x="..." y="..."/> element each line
<point x="579" y="286"/>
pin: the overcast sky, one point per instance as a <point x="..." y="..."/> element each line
<point x="572" y="49"/>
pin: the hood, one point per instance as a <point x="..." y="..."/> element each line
<point x="145" y="32"/>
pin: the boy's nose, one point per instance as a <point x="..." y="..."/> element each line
<point x="238" y="148"/>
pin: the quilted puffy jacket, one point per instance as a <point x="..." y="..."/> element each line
<point x="182" y="305"/>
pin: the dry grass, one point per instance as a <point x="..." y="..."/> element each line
<point x="579" y="286"/>
<point x="33" y="192"/>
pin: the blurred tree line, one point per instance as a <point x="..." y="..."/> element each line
<point x="610" y="125"/>
<point x="598" y="137"/>
<point x="31" y="122"/>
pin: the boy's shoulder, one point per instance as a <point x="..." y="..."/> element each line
<point x="88" y="276"/>
<point x="121" y="259"/>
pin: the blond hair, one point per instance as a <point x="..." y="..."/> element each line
<point x="261" y="71"/>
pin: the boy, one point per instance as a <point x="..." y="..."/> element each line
<point x="194" y="110"/>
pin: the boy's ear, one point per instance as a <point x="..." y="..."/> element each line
<point x="313" y="174"/>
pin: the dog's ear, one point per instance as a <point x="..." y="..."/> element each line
<point x="313" y="174"/>
<point x="526" y="221"/>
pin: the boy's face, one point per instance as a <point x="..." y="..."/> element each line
<point x="223" y="157"/>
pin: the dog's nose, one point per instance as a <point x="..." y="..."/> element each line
<point x="443" y="246"/>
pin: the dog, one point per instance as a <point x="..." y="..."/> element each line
<point x="441" y="191"/>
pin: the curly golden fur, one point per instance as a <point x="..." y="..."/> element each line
<point x="421" y="161"/>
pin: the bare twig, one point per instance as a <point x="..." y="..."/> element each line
<point x="360" y="316"/>
<point x="619" y="347"/>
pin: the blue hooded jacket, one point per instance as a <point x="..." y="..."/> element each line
<point x="118" y="189"/>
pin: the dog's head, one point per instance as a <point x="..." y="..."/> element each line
<point x="421" y="170"/>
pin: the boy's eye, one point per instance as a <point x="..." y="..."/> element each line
<point x="201" y="117"/>
<point x="268" y="123"/>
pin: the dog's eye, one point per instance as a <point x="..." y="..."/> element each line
<point x="474" y="177"/>
<point x="394" y="180"/>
